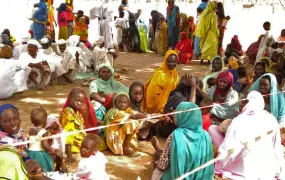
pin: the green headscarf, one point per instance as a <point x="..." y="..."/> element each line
<point x="11" y="164"/>
<point x="110" y="86"/>
<point x="191" y="146"/>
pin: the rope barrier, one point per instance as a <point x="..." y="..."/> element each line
<point x="130" y="121"/>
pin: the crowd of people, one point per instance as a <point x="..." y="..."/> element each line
<point x="231" y="112"/>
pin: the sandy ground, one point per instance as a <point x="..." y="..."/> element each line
<point x="139" y="67"/>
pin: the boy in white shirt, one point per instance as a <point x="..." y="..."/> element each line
<point x="120" y="24"/>
<point x="93" y="162"/>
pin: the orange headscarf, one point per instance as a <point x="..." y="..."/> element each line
<point x="159" y="86"/>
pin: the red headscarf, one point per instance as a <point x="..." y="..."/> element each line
<point x="192" y="26"/>
<point x="236" y="44"/>
<point x="184" y="45"/>
<point x="87" y="111"/>
<point x="229" y="77"/>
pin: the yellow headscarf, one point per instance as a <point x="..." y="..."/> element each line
<point x="159" y="86"/>
<point x="233" y="62"/>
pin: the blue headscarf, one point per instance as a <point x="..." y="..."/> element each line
<point x="191" y="146"/>
<point x="277" y="100"/>
<point x="203" y="5"/>
<point x="62" y="7"/>
<point x="7" y="106"/>
<point x="5" y="39"/>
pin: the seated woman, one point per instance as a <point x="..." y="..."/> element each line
<point x="121" y="139"/>
<point x="184" y="48"/>
<point x="220" y="93"/>
<point x="77" y="114"/>
<point x="11" y="132"/>
<point x="105" y="84"/>
<point x="183" y="147"/>
<point x="275" y="103"/>
<point x="160" y="84"/>
<point x="12" y="166"/>
<point x="216" y="66"/>
<point x="281" y="38"/>
<point x="263" y="159"/>
<point x="259" y="70"/>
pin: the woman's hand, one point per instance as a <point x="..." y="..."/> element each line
<point x="69" y="160"/>
<point x="33" y="168"/>
<point x="250" y="78"/>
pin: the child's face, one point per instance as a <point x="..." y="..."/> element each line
<point x="77" y="101"/>
<point x="137" y="94"/>
<point x="122" y="103"/>
<point x="53" y="129"/>
<point x="88" y="147"/>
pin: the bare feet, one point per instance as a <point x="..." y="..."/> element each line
<point x="155" y="143"/>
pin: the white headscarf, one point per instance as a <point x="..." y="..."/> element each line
<point x="73" y="40"/>
<point x="255" y="103"/>
<point x="34" y="42"/>
<point x="26" y="38"/>
<point x="44" y="41"/>
<point x="61" y="41"/>
<point x="99" y="40"/>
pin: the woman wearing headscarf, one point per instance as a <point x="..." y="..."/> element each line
<point x="161" y="83"/>
<point x="62" y="22"/>
<point x="223" y="92"/>
<point x="11" y="132"/>
<point x="233" y="49"/>
<point x="155" y="21"/>
<point x="208" y="32"/>
<point x="40" y="20"/>
<point x="275" y="103"/>
<point x="173" y="21"/>
<point x="105" y="84"/>
<point x="184" y="49"/>
<point x="191" y="28"/>
<point x="215" y="68"/>
<point x="251" y="158"/>
<point x="187" y="148"/>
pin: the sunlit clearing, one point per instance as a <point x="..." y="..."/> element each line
<point x="61" y="100"/>
<point x="60" y="94"/>
<point x="187" y="69"/>
<point x="35" y="100"/>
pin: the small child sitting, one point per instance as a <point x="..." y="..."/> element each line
<point x="54" y="127"/>
<point x="211" y="82"/>
<point x="206" y="112"/>
<point x="40" y="150"/>
<point x="93" y="162"/>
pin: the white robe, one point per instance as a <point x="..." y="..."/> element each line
<point x="27" y="59"/>
<point x="13" y="77"/>
<point x="101" y="56"/>
<point x="106" y="23"/>
<point x="260" y="160"/>
<point x="19" y="49"/>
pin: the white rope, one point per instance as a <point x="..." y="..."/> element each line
<point x="130" y="121"/>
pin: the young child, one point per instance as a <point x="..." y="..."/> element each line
<point x="93" y="162"/>
<point x="53" y="127"/>
<point x="122" y="139"/>
<point x="206" y="113"/>
<point x="120" y="24"/>
<point x="40" y="150"/>
<point x="77" y="114"/>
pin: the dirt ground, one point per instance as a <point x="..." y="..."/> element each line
<point x="137" y="67"/>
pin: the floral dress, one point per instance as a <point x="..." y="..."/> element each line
<point x="73" y="121"/>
